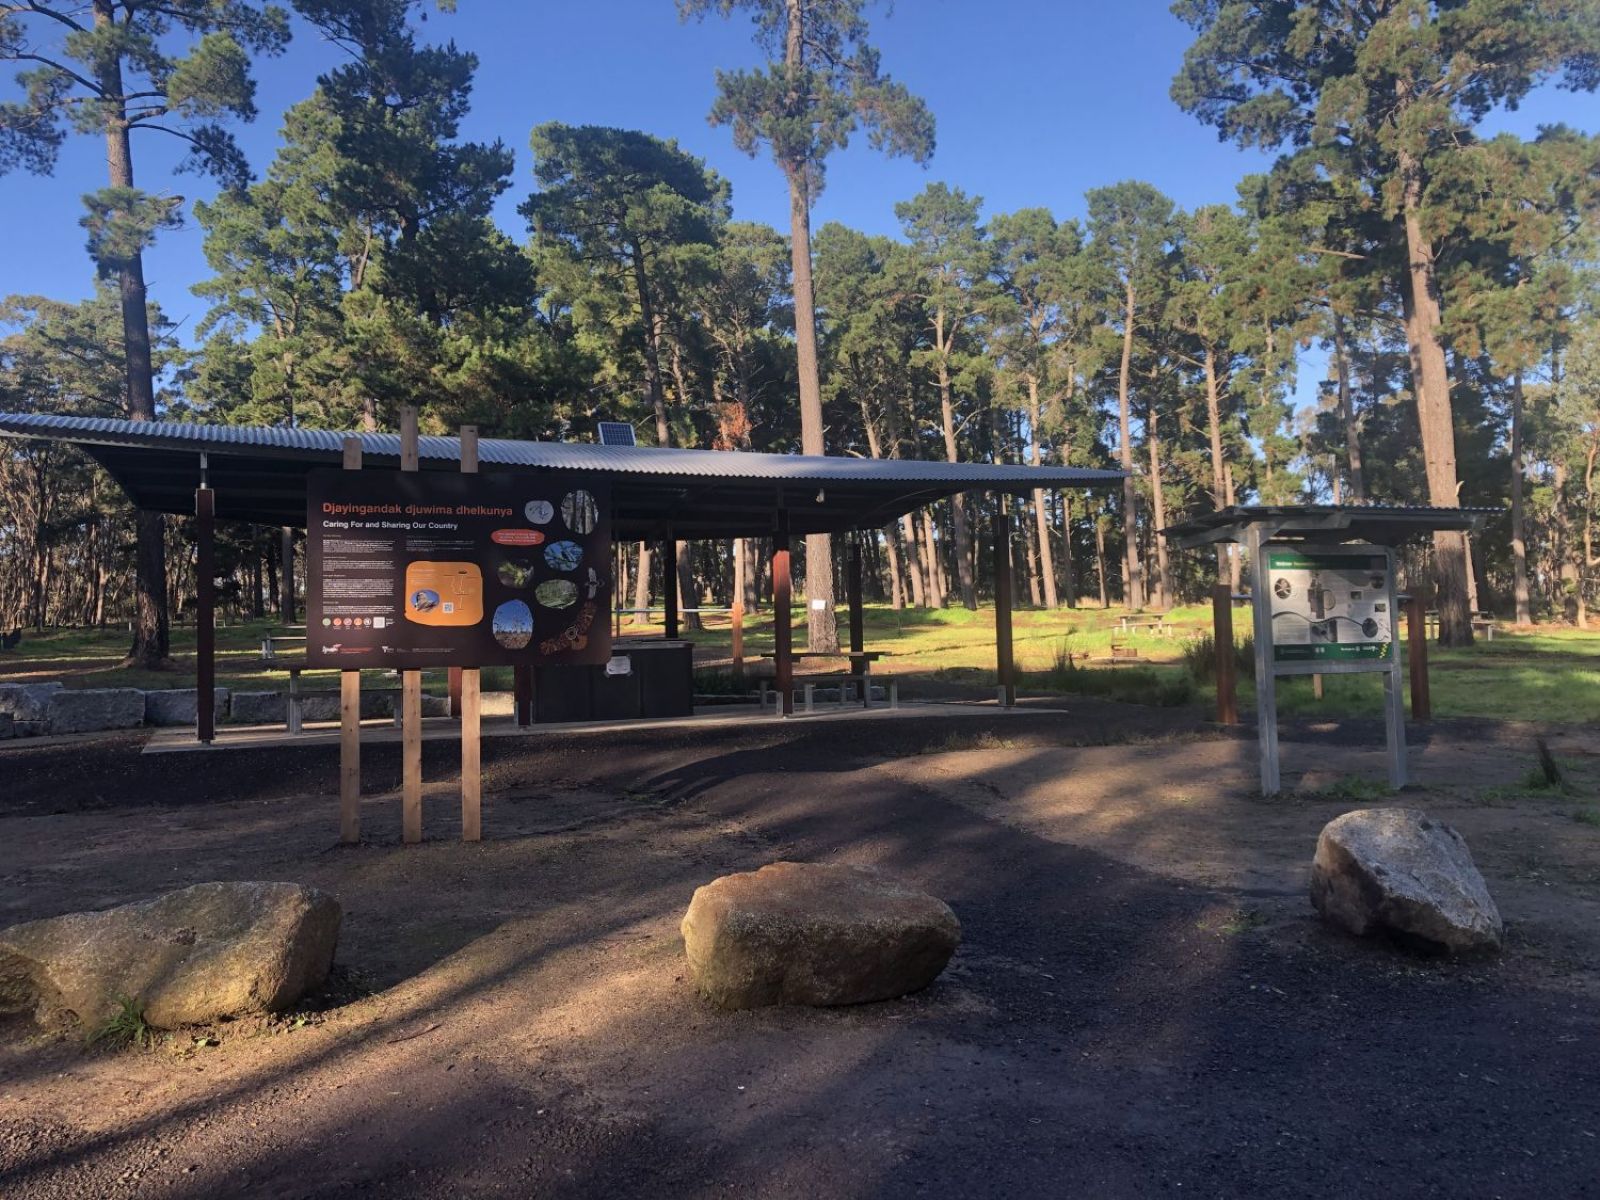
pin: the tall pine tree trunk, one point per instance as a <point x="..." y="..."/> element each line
<point x="1133" y="582"/>
<point x="1158" y="499"/>
<point x="1347" y="413"/>
<point x="1519" y="536"/>
<point x="286" y="576"/>
<point x="1214" y="430"/>
<point x="1041" y="515"/>
<point x="1423" y="319"/>
<point x="151" y="638"/>
<point x="919" y="592"/>
<point x="822" y="624"/>
<point x="958" y="502"/>
<point x="936" y="594"/>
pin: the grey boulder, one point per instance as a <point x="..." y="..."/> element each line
<point x="209" y="951"/>
<point x="1396" y="870"/>
<point x="179" y="706"/>
<point x="25" y="703"/>
<point x="86" y="710"/>
<point x="807" y="933"/>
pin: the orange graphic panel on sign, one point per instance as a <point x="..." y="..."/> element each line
<point x="444" y="593"/>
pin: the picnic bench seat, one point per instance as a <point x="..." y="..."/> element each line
<point x="269" y="643"/>
<point x="1156" y="623"/>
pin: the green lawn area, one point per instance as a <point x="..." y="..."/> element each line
<point x="1549" y="675"/>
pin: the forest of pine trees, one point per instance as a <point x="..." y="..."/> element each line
<point x="1448" y="279"/>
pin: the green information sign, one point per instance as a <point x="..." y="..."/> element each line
<point x="1330" y="606"/>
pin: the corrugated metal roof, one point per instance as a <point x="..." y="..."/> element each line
<point x="1386" y="523"/>
<point x="326" y="445"/>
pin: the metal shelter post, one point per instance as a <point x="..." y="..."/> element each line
<point x="782" y="633"/>
<point x="1266" y="681"/>
<point x="1005" y="667"/>
<point x="205" y="632"/>
<point x="1394" y="705"/>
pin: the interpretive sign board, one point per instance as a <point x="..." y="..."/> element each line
<point x="1323" y="610"/>
<point x="1332" y="608"/>
<point x="414" y="569"/>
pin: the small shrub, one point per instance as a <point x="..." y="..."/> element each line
<point x="1200" y="657"/>
<point x="125" y="1027"/>
<point x="1131" y="685"/>
<point x="1588" y="815"/>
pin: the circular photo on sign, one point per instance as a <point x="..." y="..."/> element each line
<point x="513" y="625"/>
<point x="556" y="593"/>
<point x="1281" y="589"/>
<point x="579" y="512"/>
<point x="424" y="600"/>
<point x="515" y="574"/>
<point x="563" y="556"/>
<point x="1369" y="627"/>
<point x="538" y="512"/>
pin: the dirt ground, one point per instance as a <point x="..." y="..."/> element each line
<point x="1143" y="1003"/>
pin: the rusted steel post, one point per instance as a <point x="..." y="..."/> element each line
<point x="782" y="634"/>
<point x="1005" y="667"/>
<point x="1417" y="659"/>
<point x="1222" y="635"/>
<point x="205" y="617"/>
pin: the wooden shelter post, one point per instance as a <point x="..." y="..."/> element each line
<point x="1222" y="637"/>
<point x="1005" y="667"/>
<point x="205" y="632"/>
<point x="669" y="586"/>
<point x="1417" y="659"/>
<point x="782" y="633"/>
<point x="852" y="588"/>
<point x="350" y="717"/>
<point x="410" y="684"/>
<point x="465" y="701"/>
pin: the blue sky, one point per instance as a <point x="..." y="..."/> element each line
<point x="1036" y="101"/>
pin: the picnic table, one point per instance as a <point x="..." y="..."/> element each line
<point x="286" y="634"/>
<point x="1154" y="622"/>
<point x="1482" y="622"/>
<point x="860" y="673"/>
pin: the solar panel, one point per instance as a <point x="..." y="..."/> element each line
<point x="616" y="433"/>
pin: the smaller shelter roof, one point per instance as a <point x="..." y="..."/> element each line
<point x="1381" y="524"/>
<point x="259" y="475"/>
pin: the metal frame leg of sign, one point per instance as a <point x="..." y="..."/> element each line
<point x="1266" y="681"/>
<point x="1267" y="669"/>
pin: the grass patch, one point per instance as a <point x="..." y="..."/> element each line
<point x="1352" y="789"/>
<point x="125" y="1027"/>
<point x="1587" y="815"/>
<point x="1162" y="687"/>
<point x="956" y="742"/>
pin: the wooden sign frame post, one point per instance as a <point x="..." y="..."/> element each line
<point x="471" y="678"/>
<point x="350" y="718"/>
<point x="410" y="684"/>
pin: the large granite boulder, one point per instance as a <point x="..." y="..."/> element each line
<point x="805" y="933"/>
<point x="209" y="951"/>
<point x="25" y="703"/>
<point x="1396" y="870"/>
<point x="86" y="710"/>
<point x="179" y="706"/>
